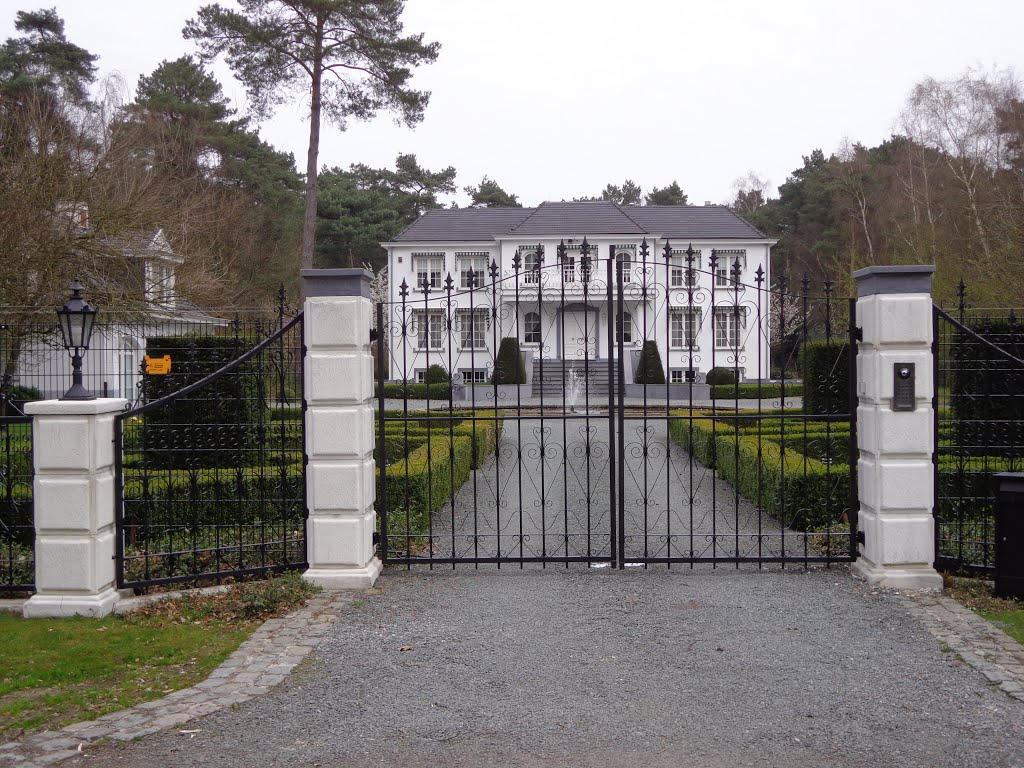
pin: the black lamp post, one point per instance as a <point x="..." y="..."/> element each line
<point x="76" y="320"/>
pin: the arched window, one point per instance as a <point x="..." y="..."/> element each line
<point x="624" y="264"/>
<point x="531" y="265"/>
<point x="531" y="328"/>
<point x="624" y="330"/>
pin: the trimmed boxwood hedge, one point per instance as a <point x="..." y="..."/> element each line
<point x="754" y="391"/>
<point x="509" y="367"/>
<point x="648" y="368"/>
<point x="213" y="422"/>
<point x="826" y="372"/>
<point x="799" y="490"/>
<point x="401" y="391"/>
<point x="421" y="482"/>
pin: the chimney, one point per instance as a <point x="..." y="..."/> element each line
<point x="707" y="202"/>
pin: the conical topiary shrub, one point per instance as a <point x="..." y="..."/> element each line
<point x="648" y="369"/>
<point x="508" y="367"/>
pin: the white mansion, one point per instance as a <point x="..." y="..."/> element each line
<point x="693" y="279"/>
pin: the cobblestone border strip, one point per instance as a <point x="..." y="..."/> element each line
<point x="260" y="663"/>
<point x="985" y="647"/>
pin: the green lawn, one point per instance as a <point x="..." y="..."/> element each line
<point x="1008" y="615"/>
<point x="61" y="671"/>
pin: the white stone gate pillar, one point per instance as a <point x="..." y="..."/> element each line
<point x="340" y="475"/>
<point x="73" y="502"/>
<point x="895" y="473"/>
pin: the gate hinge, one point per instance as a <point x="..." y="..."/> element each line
<point x="860" y="537"/>
<point x="858" y="333"/>
<point x="376" y="537"/>
<point x="373" y="335"/>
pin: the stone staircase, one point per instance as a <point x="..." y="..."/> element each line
<point x="556" y="377"/>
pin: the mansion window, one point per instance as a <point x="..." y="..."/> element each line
<point x="683" y="327"/>
<point x="430" y="329"/>
<point x="531" y="328"/>
<point x="531" y="257"/>
<point x="568" y="270"/>
<point x="682" y="375"/>
<point x="476" y="376"/>
<point x="682" y="272"/>
<point x="472" y="324"/>
<point x="624" y="328"/>
<point x="727" y="261"/>
<point x="729" y="325"/>
<point x="472" y="268"/>
<point x="624" y="266"/>
<point x="429" y="269"/>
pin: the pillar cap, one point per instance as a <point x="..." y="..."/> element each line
<point x="336" y="282"/>
<point x="76" y="407"/>
<point x="901" y="278"/>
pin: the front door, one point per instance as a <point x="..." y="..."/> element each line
<point x="579" y="334"/>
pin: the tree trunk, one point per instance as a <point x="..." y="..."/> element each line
<point x="309" y="220"/>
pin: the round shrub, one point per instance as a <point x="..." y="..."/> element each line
<point x="436" y="374"/>
<point x="722" y="376"/>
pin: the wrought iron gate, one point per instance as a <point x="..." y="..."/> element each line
<point x="528" y="415"/>
<point x="979" y="427"/>
<point x="210" y="469"/>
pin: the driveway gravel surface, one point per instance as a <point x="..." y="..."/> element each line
<point x="581" y="667"/>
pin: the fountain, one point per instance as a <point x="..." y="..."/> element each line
<point x="577" y="383"/>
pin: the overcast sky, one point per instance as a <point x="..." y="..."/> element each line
<point x="556" y="98"/>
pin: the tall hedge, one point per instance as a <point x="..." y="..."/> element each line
<point x="649" y="369"/>
<point x="986" y="391"/>
<point x="826" y="369"/>
<point x="209" y="427"/>
<point x="508" y="366"/>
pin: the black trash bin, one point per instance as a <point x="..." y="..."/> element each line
<point x="1010" y="535"/>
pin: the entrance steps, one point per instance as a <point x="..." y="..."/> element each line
<point x="556" y="373"/>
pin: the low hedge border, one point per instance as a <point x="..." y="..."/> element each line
<point x="416" y="391"/>
<point x="422" y="482"/>
<point x="754" y="391"/>
<point x="799" y="490"/>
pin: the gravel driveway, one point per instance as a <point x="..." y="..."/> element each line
<point x="545" y="492"/>
<point x="590" y="667"/>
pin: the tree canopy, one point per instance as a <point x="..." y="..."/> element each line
<point x="671" y="195"/>
<point x="348" y="57"/>
<point x="363" y="206"/>
<point x="489" y="194"/>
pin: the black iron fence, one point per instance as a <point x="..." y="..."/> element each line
<point x="979" y="413"/>
<point x="17" y="526"/>
<point x="615" y="407"/>
<point x="35" y="365"/>
<point x="211" y="465"/>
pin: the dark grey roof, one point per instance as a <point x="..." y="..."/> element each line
<point x="446" y="224"/>
<point x="583" y="218"/>
<point x="677" y="222"/>
<point x="692" y="222"/>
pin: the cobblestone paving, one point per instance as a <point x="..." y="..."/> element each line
<point x="259" y="664"/>
<point x="985" y="647"/>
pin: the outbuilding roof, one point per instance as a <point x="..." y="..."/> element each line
<point x="681" y="222"/>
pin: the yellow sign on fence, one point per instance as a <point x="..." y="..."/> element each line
<point x="158" y="366"/>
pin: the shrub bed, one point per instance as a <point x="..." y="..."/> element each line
<point x="797" y="489"/>
<point x="402" y="391"/>
<point x="754" y="391"/>
<point x="421" y="482"/>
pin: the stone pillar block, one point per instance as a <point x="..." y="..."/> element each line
<point x="73" y="491"/>
<point x="340" y="474"/>
<point x="895" y="473"/>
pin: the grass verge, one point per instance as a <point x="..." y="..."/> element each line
<point x="54" y="672"/>
<point x="975" y="594"/>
